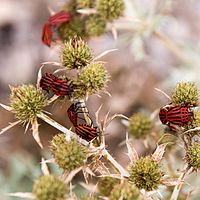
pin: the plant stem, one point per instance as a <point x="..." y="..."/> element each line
<point x="69" y="133"/>
<point x="177" y="188"/>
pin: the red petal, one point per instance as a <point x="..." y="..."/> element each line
<point x="60" y="17"/>
<point x="47" y="34"/>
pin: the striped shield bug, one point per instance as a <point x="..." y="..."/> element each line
<point x="47" y="81"/>
<point x="179" y="115"/>
<point x="74" y="110"/>
<point x="86" y="132"/>
<point x="61" y="87"/>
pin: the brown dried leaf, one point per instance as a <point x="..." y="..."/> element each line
<point x="101" y="168"/>
<point x="132" y="153"/>
<point x="9" y="126"/>
<point x="171" y="182"/>
<point x="158" y="153"/>
<point x="35" y="132"/>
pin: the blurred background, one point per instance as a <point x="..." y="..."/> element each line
<point x="158" y="46"/>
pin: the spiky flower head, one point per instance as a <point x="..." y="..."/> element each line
<point x="145" y="173"/>
<point x="194" y="123"/>
<point x="94" y="77"/>
<point x="75" y="27"/>
<point x="193" y="156"/>
<point x="95" y="25"/>
<point x="70" y="6"/>
<point x="106" y="184"/>
<point x="139" y="125"/>
<point x="49" y="187"/>
<point x="110" y="9"/>
<point x="69" y="155"/>
<point x="125" y="191"/>
<point x="185" y="93"/>
<point x="27" y="101"/>
<point x="85" y="3"/>
<point x="76" y="54"/>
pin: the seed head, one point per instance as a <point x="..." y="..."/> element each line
<point x="126" y="191"/>
<point x="94" y="77"/>
<point x="76" y="54"/>
<point x="85" y="3"/>
<point x="95" y="25"/>
<point x="145" y="174"/>
<point x="193" y="156"/>
<point x="194" y="123"/>
<point x="49" y="188"/>
<point x="27" y="101"/>
<point x="139" y="125"/>
<point x="69" y="155"/>
<point x="185" y="93"/>
<point x="75" y="27"/>
<point x="110" y="9"/>
<point x="106" y="184"/>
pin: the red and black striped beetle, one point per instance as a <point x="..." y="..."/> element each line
<point x="179" y="115"/>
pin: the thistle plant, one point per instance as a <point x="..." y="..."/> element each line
<point x="81" y="149"/>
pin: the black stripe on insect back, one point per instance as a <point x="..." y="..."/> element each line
<point x="61" y="87"/>
<point x="47" y="81"/>
<point x="86" y="131"/>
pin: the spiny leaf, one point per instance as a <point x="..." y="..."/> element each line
<point x="9" y="126"/>
<point x="158" y="154"/>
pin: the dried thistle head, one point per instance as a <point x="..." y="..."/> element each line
<point x="49" y="187"/>
<point x="27" y="101"/>
<point x="193" y="156"/>
<point x="69" y="155"/>
<point x="126" y="191"/>
<point x="145" y="173"/>
<point x="110" y="9"/>
<point x="76" y="54"/>
<point x="185" y="93"/>
<point x="94" y="77"/>
<point x="139" y="125"/>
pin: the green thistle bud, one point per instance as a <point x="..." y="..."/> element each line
<point x="75" y="27"/>
<point x="94" y="77"/>
<point x="110" y="9"/>
<point x="76" y="54"/>
<point x="145" y="174"/>
<point x="106" y="184"/>
<point x="27" y="101"/>
<point x="49" y="188"/>
<point x="85" y="3"/>
<point x="69" y="155"/>
<point x="95" y="25"/>
<point x="139" y="125"/>
<point x="185" y="93"/>
<point x="193" y="156"/>
<point x="125" y="191"/>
